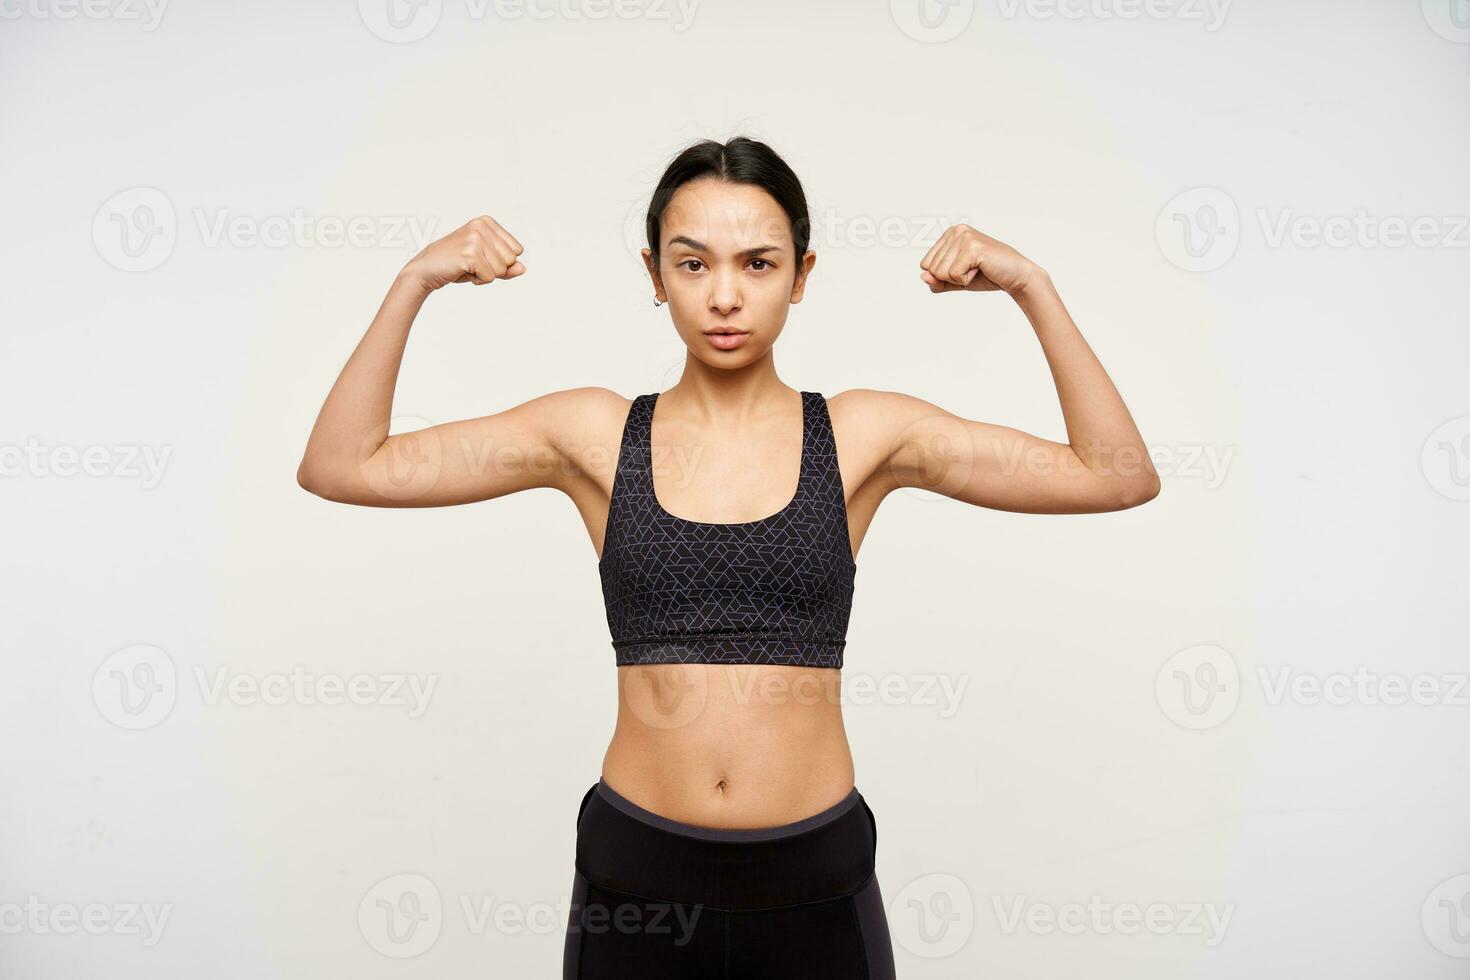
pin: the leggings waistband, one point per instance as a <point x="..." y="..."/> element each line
<point x="812" y="822"/>
<point x="626" y="848"/>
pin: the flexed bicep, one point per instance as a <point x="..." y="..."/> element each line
<point x="998" y="466"/>
<point x="467" y="460"/>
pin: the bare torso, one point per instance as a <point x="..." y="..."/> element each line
<point x="730" y="745"/>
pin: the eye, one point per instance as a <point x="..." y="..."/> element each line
<point x="687" y="261"/>
<point x="764" y="264"/>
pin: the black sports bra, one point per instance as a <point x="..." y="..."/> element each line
<point x="772" y="591"/>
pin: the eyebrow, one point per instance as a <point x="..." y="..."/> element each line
<point x="702" y="247"/>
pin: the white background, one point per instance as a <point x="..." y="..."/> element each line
<point x="1308" y="401"/>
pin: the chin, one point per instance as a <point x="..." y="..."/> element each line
<point x="729" y="360"/>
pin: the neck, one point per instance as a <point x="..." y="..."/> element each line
<point x="731" y="395"/>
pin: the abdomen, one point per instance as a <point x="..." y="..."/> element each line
<point x="729" y="745"/>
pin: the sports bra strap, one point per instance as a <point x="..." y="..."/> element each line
<point x="820" y="447"/>
<point x="633" y="473"/>
<point x="819" y="475"/>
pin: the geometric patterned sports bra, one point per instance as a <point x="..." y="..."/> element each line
<point x="772" y="591"/>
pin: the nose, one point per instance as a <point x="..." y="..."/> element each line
<point x="724" y="291"/>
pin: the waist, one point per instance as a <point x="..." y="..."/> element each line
<point x="729" y="745"/>
<point x="624" y="847"/>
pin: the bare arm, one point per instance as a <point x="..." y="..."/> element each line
<point x="351" y="458"/>
<point x="1104" y="465"/>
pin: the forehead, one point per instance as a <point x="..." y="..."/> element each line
<point x="726" y="215"/>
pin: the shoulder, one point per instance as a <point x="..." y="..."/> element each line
<point x="584" y="426"/>
<point x="872" y="410"/>
<point x="883" y="429"/>
<point x="577" y="405"/>
<point x="581" y="414"/>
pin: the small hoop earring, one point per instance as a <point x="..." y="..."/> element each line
<point x="657" y="301"/>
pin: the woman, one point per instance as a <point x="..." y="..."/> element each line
<point x="726" y="836"/>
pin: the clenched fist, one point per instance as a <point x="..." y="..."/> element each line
<point x="479" y="252"/>
<point x="966" y="259"/>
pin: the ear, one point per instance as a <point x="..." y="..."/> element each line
<point x="658" y="285"/>
<point x="802" y="271"/>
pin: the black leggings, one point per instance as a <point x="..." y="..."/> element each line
<point x="654" y="898"/>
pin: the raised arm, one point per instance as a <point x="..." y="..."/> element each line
<point x="1103" y="466"/>
<point x="351" y="458"/>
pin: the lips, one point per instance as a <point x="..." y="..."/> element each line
<point x="726" y="338"/>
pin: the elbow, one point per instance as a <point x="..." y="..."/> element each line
<point x="310" y="478"/>
<point x="1135" y="493"/>
<point x="305" y="478"/>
